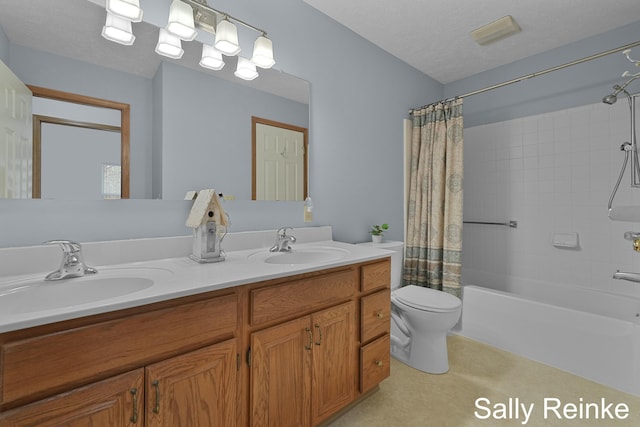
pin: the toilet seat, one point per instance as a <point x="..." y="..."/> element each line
<point x="426" y="299"/>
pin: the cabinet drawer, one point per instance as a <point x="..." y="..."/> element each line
<point x="375" y="359"/>
<point x="302" y="296"/>
<point x="376" y="275"/>
<point x="374" y="315"/>
<point x="53" y="362"/>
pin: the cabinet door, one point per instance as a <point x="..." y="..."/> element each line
<point x="334" y="360"/>
<point x="115" y="401"/>
<point x="194" y="389"/>
<point x="281" y="375"/>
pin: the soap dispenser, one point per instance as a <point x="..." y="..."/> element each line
<point x="308" y="209"/>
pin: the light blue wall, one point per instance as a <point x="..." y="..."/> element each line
<point x="580" y="84"/>
<point x="4" y="47"/>
<point x="156" y="160"/>
<point x="359" y="96"/>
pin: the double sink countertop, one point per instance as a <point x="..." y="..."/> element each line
<point x="26" y="300"/>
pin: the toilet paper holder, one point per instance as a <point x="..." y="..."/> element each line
<point x="633" y="236"/>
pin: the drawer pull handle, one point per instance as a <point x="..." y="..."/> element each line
<point x="308" y="347"/>
<point x="134" y="397"/>
<point x="319" y="332"/>
<point x="379" y="315"/>
<point x="379" y="363"/>
<point x="156" y="408"/>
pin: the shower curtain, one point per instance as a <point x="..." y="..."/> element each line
<point x="433" y="249"/>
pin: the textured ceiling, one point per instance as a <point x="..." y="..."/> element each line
<point x="433" y="35"/>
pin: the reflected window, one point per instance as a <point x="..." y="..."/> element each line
<point x="111" y="181"/>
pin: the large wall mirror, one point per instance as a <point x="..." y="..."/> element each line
<point x="190" y="128"/>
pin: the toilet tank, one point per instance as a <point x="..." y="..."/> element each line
<point x="396" y="259"/>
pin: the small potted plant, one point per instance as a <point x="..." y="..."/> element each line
<point x="377" y="231"/>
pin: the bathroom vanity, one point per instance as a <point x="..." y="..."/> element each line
<point x="283" y="345"/>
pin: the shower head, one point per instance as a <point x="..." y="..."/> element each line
<point x="613" y="97"/>
<point x="610" y="99"/>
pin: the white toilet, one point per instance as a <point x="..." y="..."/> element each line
<point x="421" y="319"/>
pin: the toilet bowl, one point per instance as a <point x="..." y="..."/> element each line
<point x="421" y="318"/>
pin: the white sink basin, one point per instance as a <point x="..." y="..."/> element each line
<point x="36" y="294"/>
<point x="314" y="255"/>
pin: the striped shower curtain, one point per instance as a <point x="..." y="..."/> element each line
<point x="433" y="249"/>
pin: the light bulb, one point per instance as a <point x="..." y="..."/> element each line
<point x="169" y="45"/>
<point x="211" y="58"/>
<point x="263" y="53"/>
<point x="118" y="30"/>
<point x="127" y="9"/>
<point x="181" y="20"/>
<point x="227" y="38"/>
<point x="246" y="69"/>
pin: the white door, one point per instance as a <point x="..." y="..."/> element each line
<point x="16" y="158"/>
<point x="279" y="163"/>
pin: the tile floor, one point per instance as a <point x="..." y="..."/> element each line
<point x="410" y="398"/>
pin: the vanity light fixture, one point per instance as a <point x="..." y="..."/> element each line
<point x="211" y="58"/>
<point x="186" y="17"/>
<point x="169" y="45"/>
<point x="126" y="9"/>
<point x="118" y="30"/>
<point x="246" y="69"/>
<point x="181" y="20"/>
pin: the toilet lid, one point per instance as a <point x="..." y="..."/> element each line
<point x="427" y="299"/>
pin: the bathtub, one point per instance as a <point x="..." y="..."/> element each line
<point x="593" y="334"/>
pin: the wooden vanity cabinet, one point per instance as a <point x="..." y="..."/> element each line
<point x="175" y="365"/>
<point x="303" y="370"/>
<point x="311" y="345"/>
<point x="194" y="389"/>
<point x="375" y="325"/>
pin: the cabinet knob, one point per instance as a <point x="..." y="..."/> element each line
<point x="379" y="363"/>
<point x="379" y="315"/>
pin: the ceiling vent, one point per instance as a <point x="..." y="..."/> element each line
<point x="497" y="30"/>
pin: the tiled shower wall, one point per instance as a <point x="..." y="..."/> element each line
<point x="553" y="173"/>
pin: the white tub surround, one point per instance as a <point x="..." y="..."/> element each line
<point x="178" y="276"/>
<point x="589" y="333"/>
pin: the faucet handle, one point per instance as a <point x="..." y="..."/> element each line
<point x="67" y="246"/>
<point x="282" y="231"/>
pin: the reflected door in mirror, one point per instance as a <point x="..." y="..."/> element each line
<point x="279" y="161"/>
<point x="15" y="137"/>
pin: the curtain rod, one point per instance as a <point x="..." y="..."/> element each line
<point x="539" y="73"/>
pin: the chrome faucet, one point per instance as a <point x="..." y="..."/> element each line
<point x="623" y="275"/>
<point x="283" y="240"/>
<point x="72" y="264"/>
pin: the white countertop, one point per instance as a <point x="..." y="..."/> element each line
<point x="178" y="277"/>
